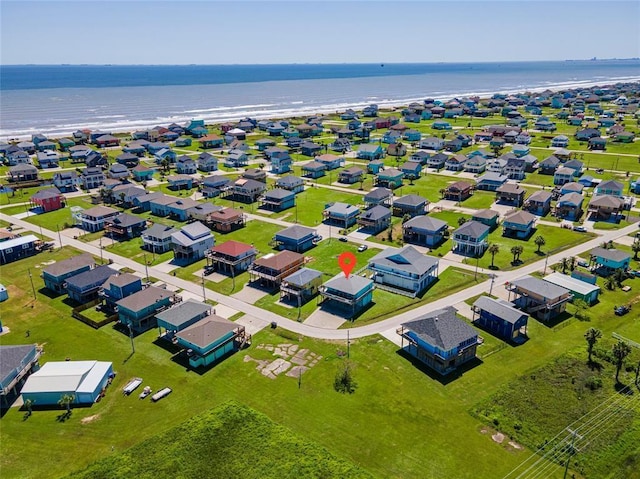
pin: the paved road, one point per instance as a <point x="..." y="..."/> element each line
<point x="312" y="331"/>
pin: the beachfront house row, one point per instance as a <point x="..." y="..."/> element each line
<point x="404" y="270"/>
<point x="296" y="238"/>
<point x="347" y="295"/>
<point x="412" y="205"/>
<point x="231" y="257"/>
<point x="470" y="239"/>
<point x="301" y="286"/>
<point x="56" y="274"/>
<point x="440" y="340"/>
<point x="271" y="269"/>
<point x="501" y="318"/>
<point x="137" y="311"/>
<point x="341" y="214"/>
<point x="191" y="242"/>
<point x="539" y="298"/>
<point x="157" y="238"/>
<point x="424" y="231"/>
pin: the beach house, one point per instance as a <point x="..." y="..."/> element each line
<point x="47" y="200"/>
<point x="313" y="169"/>
<point x="389" y="178"/>
<point x="301" y="286"/>
<point x="378" y="196"/>
<point x="491" y="181"/>
<point x="519" y="224"/>
<point x="191" y="242"/>
<point x="231" y="257"/>
<point x="341" y="214"/>
<point x="458" y="191"/>
<point x="539" y="298"/>
<point x="581" y="290"/>
<point x="18" y="362"/>
<point x="470" y="239"/>
<point x="440" y="340"/>
<point x="412" y="205"/>
<point x="404" y="270"/>
<point x="606" y="261"/>
<point x="22" y="173"/>
<point x="606" y="208"/>
<point x="246" y="191"/>
<point x="18" y="248"/>
<point x="290" y="183"/>
<point x="500" y="317"/>
<point x="347" y="295"/>
<point x="278" y="199"/>
<point x="137" y="312"/>
<point x="569" y="206"/>
<point x="93" y="219"/>
<point x="510" y="194"/>
<point x="296" y="238"/>
<point x="181" y="316"/>
<point x="539" y="203"/>
<point x="226" y="220"/>
<point x="83" y="287"/>
<point x="351" y="175"/>
<point x="424" y="231"/>
<point x="271" y="269"/>
<point x="157" y="238"/>
<point x="375" y="219"/>
<point x="56" y="274"/>
<point x="370" y="151"/>
<point x="207" y="162"/>
<point x="117" y="287"/>
<point x="125" y="226"/>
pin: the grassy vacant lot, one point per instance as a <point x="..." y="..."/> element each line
<point x="530" y="408"/>
<point x="557" y="239"/>
<point x="231" y="440"/>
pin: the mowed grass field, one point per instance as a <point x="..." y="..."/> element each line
<point x="402" y="421"/>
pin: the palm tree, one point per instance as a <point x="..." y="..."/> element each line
<point x="620" y="351"/>
<point x="442" y="191"/>
<point x="564" y="264"/>
<point x="635" y="247"/>
<point x="619" y="276"/>
<point x="610" y="282"/>
<point x="406" y="218"/>
<point x="66" y="401"/>
<point x="516" y="251"/>
<point x="493" y="249"/>
<point x="540" y="242"/>
<point x="462" y="220"/>
<point x="572" y="263"/>
<point x="28" y="403"/>
<point x="592" y="335"/>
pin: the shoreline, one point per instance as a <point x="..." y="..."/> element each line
<point x="278" y="114"/>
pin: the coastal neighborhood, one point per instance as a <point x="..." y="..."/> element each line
<point x="195" y="259"/>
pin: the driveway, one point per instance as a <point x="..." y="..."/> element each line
<point x="249" y="294"/>
<point x="325" y="320"/>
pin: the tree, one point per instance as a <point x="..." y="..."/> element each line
<point x="66" y="401"/>
<point x="540" y="242"/>
<point x="592" y="335"/>
<point x="406" y="218"/>
<point x="619" y="276"/>
<point x="390" y="233"/>
<point x="165" y="164"/>
<point x="572" y="263"/>
<point x="493" y="250"/>
<point x="122" y="195"/>
<point x="442" y="191"/>
<point x="581" y="309"/>
<point x="516" y="251"/>
<point x="610" y="282"/>
<point x="28" y="403"/>
<point x="564" y="264"/>
<point x="344" y="382"/>
<point x="620" y="351"/>
<point x="635" y="247"/>
<point x="462" y="220"/>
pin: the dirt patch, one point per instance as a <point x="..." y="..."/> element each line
<point x="88" y="419"/>
<point x="515" y="445"/>
<point x="290" y="360"/>
<point x="498" y="437"/>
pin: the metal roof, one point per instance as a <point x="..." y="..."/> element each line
<point x="144" y="298"/>
<point x="295" y="232"/>
<point x="539" y="287"/>
<point x="502" y="309"/>
<point x="302" y="277"/>
<point x="426" y="223"/>
<point x="572" y="284"/>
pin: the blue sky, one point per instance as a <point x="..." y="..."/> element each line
<point x="303" y="31"/>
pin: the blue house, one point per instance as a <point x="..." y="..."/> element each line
<point x="281" y="164"/>
<point x="412" y="205"/>
<point x="420" y="156"/>
<point x="441" y="125"/>
<point x="405" y="270"/>
<point x="332" y="162"/>
<point x="142" y="173"/>
<point x="191" y="243"/>
<point x="313" y="169"/>
<point x="291" y="183"/>
<point x="411" y="169"/>
<point x="560" y="141"/>
<point x="341" y="214"/>
<point x="367" y="151"/>
<point x="118" y="287"/>
<point x="18" y="248"/>
<point x="181" y="316"/>
<point x="296" y="238"/>
<point x="375" y="166"/>
<point x="128" y="159"/>
<point x="308" y="148"/>
<point x="278" y="199"/>
<point x="569" y="206"/>
<point x="539" y="203"/>
<point x="378" y="196"/>
<point x="491" y="181"/>
<point x="518" y="225"/>
<point x="55" y="275"/>
<point x="301" y="286"/>
<point x="390" y="178"/>
<point x="264" y="143"/>
<point x="470" y="239"/>
<point x="180" y="182"/>
<point x="84" y="287"/>
<point x="501" y="318"/>
<point x="440" y="340"/>
<point x="185" y="165"/>
<point x="424" y="231"/>
<point x="375" y="219"/>
<point x="236" y="159"/>
<point x="48" y="159"/>
<point x="520" y="150"/>
<point x="349" y="295"/>
<point x="138" y="310"/>
<point x="609" y="260"/>
<point x="211" y="339"/>
<point x="391" y="137"/>
<point x="17" y="363"/>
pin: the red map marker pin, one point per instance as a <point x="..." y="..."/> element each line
<point x="347" y="262"/>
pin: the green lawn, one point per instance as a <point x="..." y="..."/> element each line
<point x="480" y="200"/>
<point x="557" y="239"/>
<point x="52" y="219"/>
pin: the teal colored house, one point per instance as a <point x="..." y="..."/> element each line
<point x="117" y="287"/>
<point x="341" y="214"/>
<point x="440" y="340"/>
<point x="390" y="178"/>
<point x="313" y="169"/>
<point x="181" y="316"/>
<point x="582" y="290"/>
<point x="370" y="152"/>
<point x="518" y="225"/>
<point x="441" y="125"/>
<point x="142" y="173"/>
<point x="55" y="275"/>
<point x="610" y="260"/>
<point x="296" y="238"/>
<point x="375" y="166"/>
<point x="138" y="310"/>
<point x="210" y="339"/>
<point x="278" y="199"/>
<point x="348" y="295"/>
<point x="411" y="169"/>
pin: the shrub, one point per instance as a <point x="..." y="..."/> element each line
<point x="594" y="382"/>
<point x="344" y="382"/>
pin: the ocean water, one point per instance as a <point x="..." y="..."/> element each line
<point x="58" y="99"/>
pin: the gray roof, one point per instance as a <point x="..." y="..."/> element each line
<point x="159" y="230"/>
<point x="144" y="298"/>
<point x="520" y="217"/>
<point x="610" y="254"/>
<point x="512" y="188"/>
<point x="426" y="223"/>
<point x="610" y="185"/>
<point x="98" y="274"/>
<point x="68" y="265"/>
<point x="565" y="171"/>
<point x="571" y="198"/>
<point x="608" y="201"/>
<point x="404" y="259"/>
<point x="11" y="358"/>
<point x="485" y="214"/>
<point x="500" y="308"/>
<point x="572" y="186"/>
<point x="278" y="194"/>
<point x="291" y="180"/>
<point x="378" y="194"/>
<point x="376" y="213"/>
<point x="99" y="211"/>
<point x="296" y="232"/>
<point x="442" y="328"/>
<point x="207" y="330"/>
<point x="204" y="208"/>
<point x="410" y="200"/>
<point x="352" y="285"/>
<point x="48" y="193"/>
<point x="195" y="230"/>
<point x="120" y="279"/>
<point x="342" y="208"/>
<point x="183" y="312"/>
<point x="539" y="287"/>
<point x="541" y="196"/>
<point x="551" y="162"/>
<point x="125" y="219"/>
<point x="475" y="229"/>
<point x="302" y="277"/>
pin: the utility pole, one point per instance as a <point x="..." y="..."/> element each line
<point x="59" y="236"/>
<point x="101" y="259"/>
<point x="572" y="451"/>
<point x="493" y="278"/>
<point x="146" y="268"/>
<point x="33" y="289"/>
<point x="544" y="272"/>
<point x="348" y="345"/>
<point x="133" y="348"/>
<point x="204" y="294"/>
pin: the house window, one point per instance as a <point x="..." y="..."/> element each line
<point x="9" y="250"/>
<point x="25" y="246"/>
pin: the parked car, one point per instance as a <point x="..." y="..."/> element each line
<point x="580" y="229"/>
<point x="583" y="263"/>
<point x="343" y="239"/>
<point x="635" y="272"/>
<point x="362" y="247"/>
<point x="621" y="310"/>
